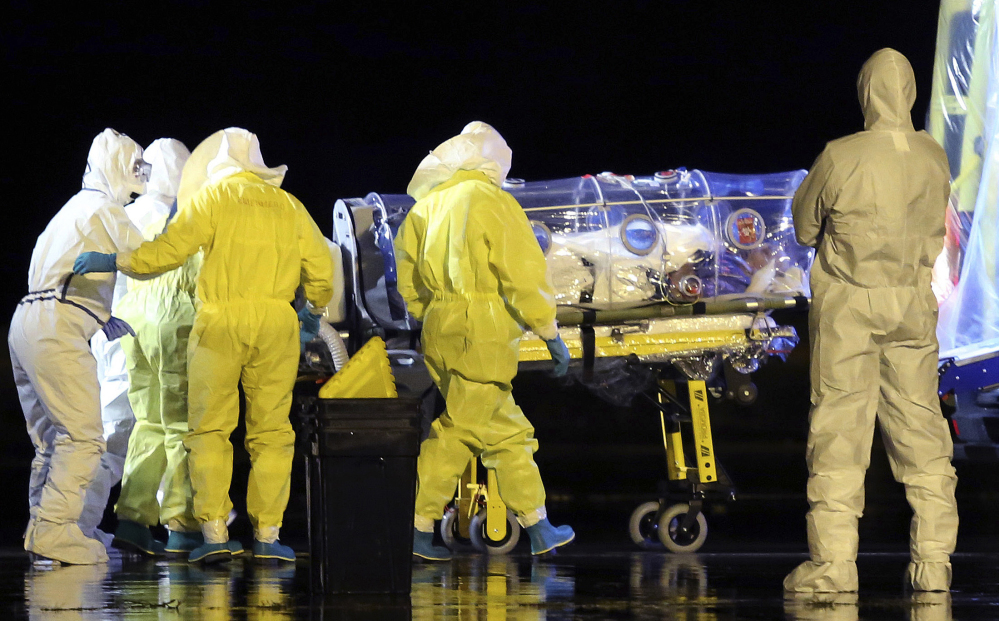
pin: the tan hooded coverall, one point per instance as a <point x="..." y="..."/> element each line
<point x="873" y="205"/>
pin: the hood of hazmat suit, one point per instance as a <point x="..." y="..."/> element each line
<point x="226" y="152"/>
<point x="478" y="147"/>
<point x="873" y="204"/>
<point x="112" y="166"/>
<point x="167" y="157"/>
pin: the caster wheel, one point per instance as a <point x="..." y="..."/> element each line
<point x="746" y="394"/>
<point x="482" y="543"/>
<point x="450" y="533"/>
<point x="675" y="541"/>
<point x="643" y="526"/>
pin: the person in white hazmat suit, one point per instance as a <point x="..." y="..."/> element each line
<point x="161" y="311"/>
<point x="873" y="205"/>
<point x="54" y="369"/>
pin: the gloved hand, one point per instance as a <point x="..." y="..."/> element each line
<point x="310" y="325"/>
<point x="560" y="355"/>
<point x="95" y="262"/>
<point x="116" y="328"/>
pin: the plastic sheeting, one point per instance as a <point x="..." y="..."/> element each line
<point x="615" y="241"/>
<point x="679" y="236"/>
<point x="963" y="118"/>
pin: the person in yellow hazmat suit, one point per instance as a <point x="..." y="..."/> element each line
<point x="161" y="311"/>
<point x="873" y="205"/>
<point x="259" y="244"/>
<point x="471" y="270"/>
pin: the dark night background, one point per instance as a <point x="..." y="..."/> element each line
<point x="352" y="95"/>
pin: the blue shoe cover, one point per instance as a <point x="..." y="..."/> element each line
<point x="424" y="548"/>
<point x="181" y="543"/>
<point x="213" y="553"/>
<point x="274" y="551"/>
<point x="136" y="537"/>
<point x="545" y="537"/>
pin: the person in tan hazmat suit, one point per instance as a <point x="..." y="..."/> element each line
<point x="873" y="205"/>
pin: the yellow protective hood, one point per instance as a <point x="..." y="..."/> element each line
<point x="477" y="147"/>
<point x="224" y="153"/>
<point x="887" y="89"/>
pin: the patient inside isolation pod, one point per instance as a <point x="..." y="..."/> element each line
<point x="617" y="241"/>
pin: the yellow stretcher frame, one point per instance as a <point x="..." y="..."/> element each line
<point x="703" y="475"/>
<point x="468" y="496"/>
<point x="704" y="448"/>
<point x="627" y="343"/>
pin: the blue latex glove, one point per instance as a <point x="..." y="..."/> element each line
<point x="95" y="262"/>
<point x="310" y="325"/>
<point x="116" y="328"/>
<point x="560" y="355"/>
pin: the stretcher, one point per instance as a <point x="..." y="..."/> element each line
<point x="675" y="273"/>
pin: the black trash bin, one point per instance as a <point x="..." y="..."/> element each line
<point x="361" y="485"/>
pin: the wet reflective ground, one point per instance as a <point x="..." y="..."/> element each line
<point x="585" y="582"/>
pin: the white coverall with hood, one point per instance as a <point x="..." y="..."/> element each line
<point x="49" y="339"/>
<point x="873" y="205"/>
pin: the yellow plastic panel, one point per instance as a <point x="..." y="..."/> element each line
<point x="367" y="375"/>
<point x="495" y="509"/>
<point x="702" y="431"/>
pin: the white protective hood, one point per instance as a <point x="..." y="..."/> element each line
<point x="167" y="157"/>
<point x="887" y="89"/>
<point x="477" y="147"/>
<point x="110" y="166"/>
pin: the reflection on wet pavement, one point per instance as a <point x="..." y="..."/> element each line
<point x="584" y="583"/>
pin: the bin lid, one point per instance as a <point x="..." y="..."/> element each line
<point x="367" y="409"/>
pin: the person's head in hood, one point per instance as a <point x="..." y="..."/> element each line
<point x="166" y="156"/>
<point x="239" y="152"/>
<point x="887" y="89"/>
<point x="478" y="147"/>
<point x="226" y="152"/>
<point x="115" y="167"/>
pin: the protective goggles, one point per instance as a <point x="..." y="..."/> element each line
<point x="141" y="169"/>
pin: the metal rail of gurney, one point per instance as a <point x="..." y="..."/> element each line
<point x="969" y="393"/>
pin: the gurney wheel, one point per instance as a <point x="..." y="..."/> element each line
<point x="747" y="393"/>
<point x="675" y="541"/>
<point x="449" y="531"/>
<point x="482" y="543"/>
<point x="643" y="526"/>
